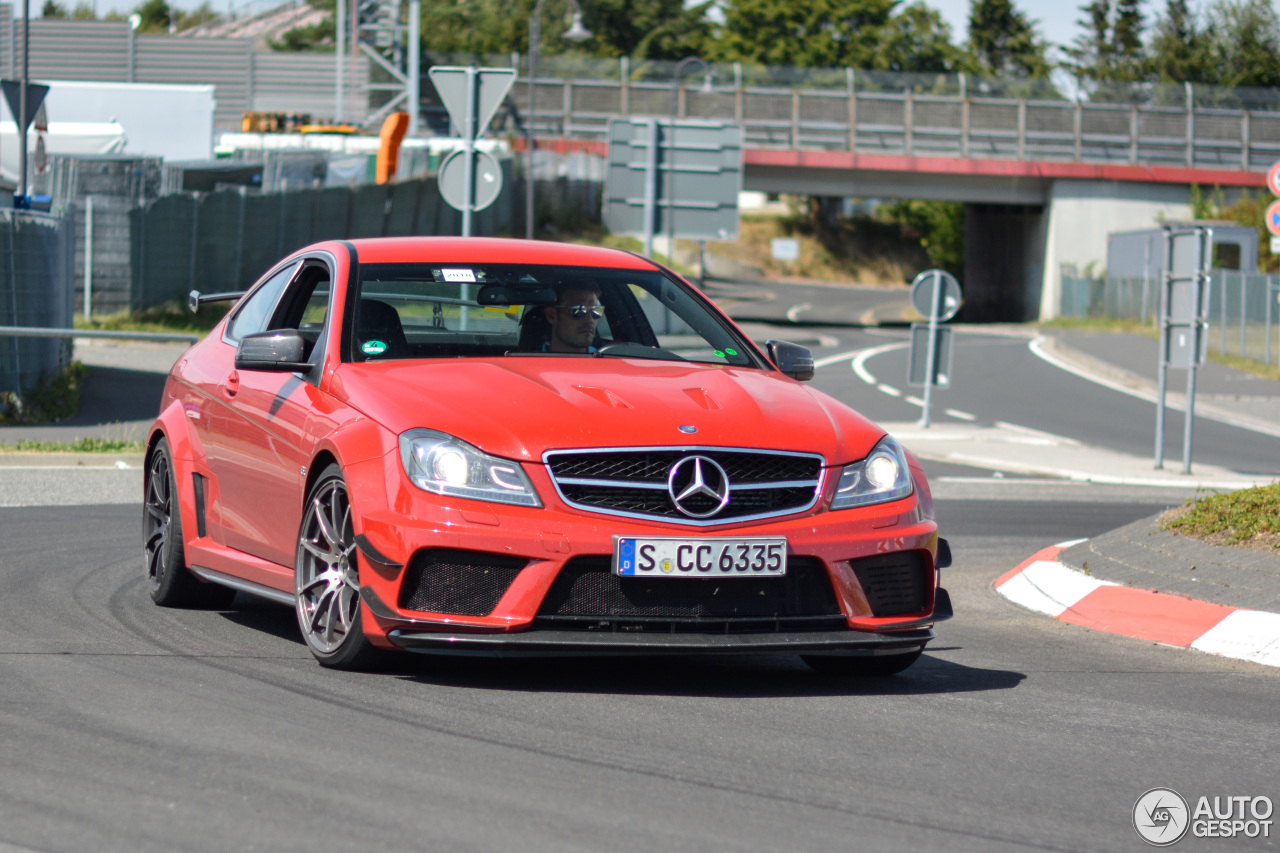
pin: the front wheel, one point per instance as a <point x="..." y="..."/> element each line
<point x="326" y="577"/>
<point x="850" y="665"/>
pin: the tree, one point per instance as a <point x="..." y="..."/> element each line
<point x="918" y="39"/>
<point x="1110" y="50"/>
<point x="1246" y="43"/>
<point x="84" y="11"/>
<point x="833" y="33"/>
<point x="53" y="9"/>
<point x="1003" y="42"/>
<point x="648" y="29"/>
<point x="156" y="16"/>
<point x="1181" y="50"/>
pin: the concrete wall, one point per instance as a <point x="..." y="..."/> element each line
<point x="1081" y="214"/>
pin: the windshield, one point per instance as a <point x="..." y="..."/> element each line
<point x="418" y="311"/>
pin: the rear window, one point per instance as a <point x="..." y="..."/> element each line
<point x="421" y="311"/>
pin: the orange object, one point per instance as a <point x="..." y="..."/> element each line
<point x="393" y="130"/>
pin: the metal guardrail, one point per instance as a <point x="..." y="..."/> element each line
<point x="863" y="112"/>
<point x="38" y="332"/>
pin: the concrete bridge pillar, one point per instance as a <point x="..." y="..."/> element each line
<point x="1081" y="213"/>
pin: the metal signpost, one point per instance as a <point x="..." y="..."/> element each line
<point x="681" y="179"/>
<point x="1184" y="309"/>
<point x="472" y="96"/>
<point x="14" y="97"/>
<point x="936" y="295"/>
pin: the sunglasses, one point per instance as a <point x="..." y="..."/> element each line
<point x="577" y="312"/>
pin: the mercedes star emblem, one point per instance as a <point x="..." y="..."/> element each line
<point x="695" y="480"/>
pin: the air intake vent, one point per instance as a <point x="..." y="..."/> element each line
<point x="895" y="583"/>
<point x="468" y="583"/>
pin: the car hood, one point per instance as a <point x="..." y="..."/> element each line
<point x="520" y="407"/>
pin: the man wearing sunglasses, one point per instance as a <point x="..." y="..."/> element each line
<point x="574" y="318"/>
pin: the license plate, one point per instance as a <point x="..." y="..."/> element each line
<point x="673" y="557"/>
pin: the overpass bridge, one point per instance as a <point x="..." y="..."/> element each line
<point x="1044" y="177"/>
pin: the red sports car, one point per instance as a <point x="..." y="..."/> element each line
<point x="504" y="447"/>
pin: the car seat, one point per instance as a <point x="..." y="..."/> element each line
<point x="378" y="321"/>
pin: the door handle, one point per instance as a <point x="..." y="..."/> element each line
<point x="232" y="383"/>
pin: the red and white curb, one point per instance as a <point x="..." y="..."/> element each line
<point x="1045" y="585"/>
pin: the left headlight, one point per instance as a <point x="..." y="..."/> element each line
<point x="439" y="463"/>
<point x="883" y="476"/>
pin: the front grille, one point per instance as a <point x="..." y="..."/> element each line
<point x="468" y="583"/>
<point x="635" y="483"/>
<point x="587" y="595"/>
<point x="894" y="583"/>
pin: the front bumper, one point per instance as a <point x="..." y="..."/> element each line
<point x="541" y="643"/>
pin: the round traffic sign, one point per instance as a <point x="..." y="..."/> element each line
<point x="1273" y="178"/>
<point x="452" y="179"/>
<point x="948" y="301"/>
<point x="1272" y="217"/>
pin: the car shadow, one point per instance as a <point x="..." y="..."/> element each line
<point x="714" y="676"/>
<point x="737" y="676"/>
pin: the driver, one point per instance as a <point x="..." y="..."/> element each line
<point x="574" y="318"/>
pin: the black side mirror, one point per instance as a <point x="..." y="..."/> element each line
<point x="280" y="350"/>
<point x="792" y="359"/>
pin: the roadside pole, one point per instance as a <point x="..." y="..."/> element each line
<point x="936" y="295"/>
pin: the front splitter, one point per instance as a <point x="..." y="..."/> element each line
<point x="542" y="643"/>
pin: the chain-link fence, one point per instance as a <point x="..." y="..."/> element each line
<point x="1244" y="308"/>
<point x="35" y="290"/>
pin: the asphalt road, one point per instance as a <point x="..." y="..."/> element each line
<point x="124" y="726"/>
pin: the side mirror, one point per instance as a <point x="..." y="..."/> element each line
<point x="792" y="359"/>
<point x="280" y="350"/>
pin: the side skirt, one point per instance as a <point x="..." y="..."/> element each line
<point x="241" y="585"/>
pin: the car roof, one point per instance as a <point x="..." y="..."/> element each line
<point x="492" y="250"/>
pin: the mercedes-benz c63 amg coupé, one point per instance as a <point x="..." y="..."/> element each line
<point x="502" y="447"/>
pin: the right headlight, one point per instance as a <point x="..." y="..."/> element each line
<point x="883" y="476"/>
<point x="438" y="462"/>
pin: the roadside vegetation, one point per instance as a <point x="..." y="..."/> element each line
<point x="79" y="445"/>
<point x="169" y="317"/>
<point x="54" y="398"/>
<point x="1247" y="518"/>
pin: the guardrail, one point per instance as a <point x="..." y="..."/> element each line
<point x="38" y="332"/>
<point x="946" y="115"/>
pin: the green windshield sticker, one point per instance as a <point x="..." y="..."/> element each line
<point x="732" y="351"/>
<point x="373" y="347"/>
<point x="718" y="353"/>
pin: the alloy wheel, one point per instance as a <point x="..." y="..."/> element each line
<point x="328" y="586"/>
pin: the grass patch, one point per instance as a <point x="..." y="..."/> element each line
<point x="54" y="398"/>
<point x="169" y="317"/>
<point x="79" y="445"/>
<point x="1249" y="517"/>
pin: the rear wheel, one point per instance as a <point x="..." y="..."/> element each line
<point x="849" y="665"/>
<point x="327" y="582"/>
<point x="170" y="582"/>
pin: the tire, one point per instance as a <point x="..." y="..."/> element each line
<point x="326" y="579"/>
<point x="171" y="583"/>
<point x="861" y="665"/>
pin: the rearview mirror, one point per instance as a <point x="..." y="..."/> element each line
<point x="501" y="294"/>
<point x="281" y="350"/>
<point x="792" y="359"/>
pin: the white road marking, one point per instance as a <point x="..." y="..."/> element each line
<point x="1037" y="433"/>
<point x="794" y="310"/>
<point x="858" y="353"/>
<point x="964" y="416"/>
<point x="1037" y="348"/>
<point x="890" y="390"/>
<point x="915" y="401"/>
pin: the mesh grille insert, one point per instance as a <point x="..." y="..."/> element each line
<point x="468" y="583"/>
<point x="601" y="481"/>
<point x="586" y="590"/>
<point x="894" y="583"/>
